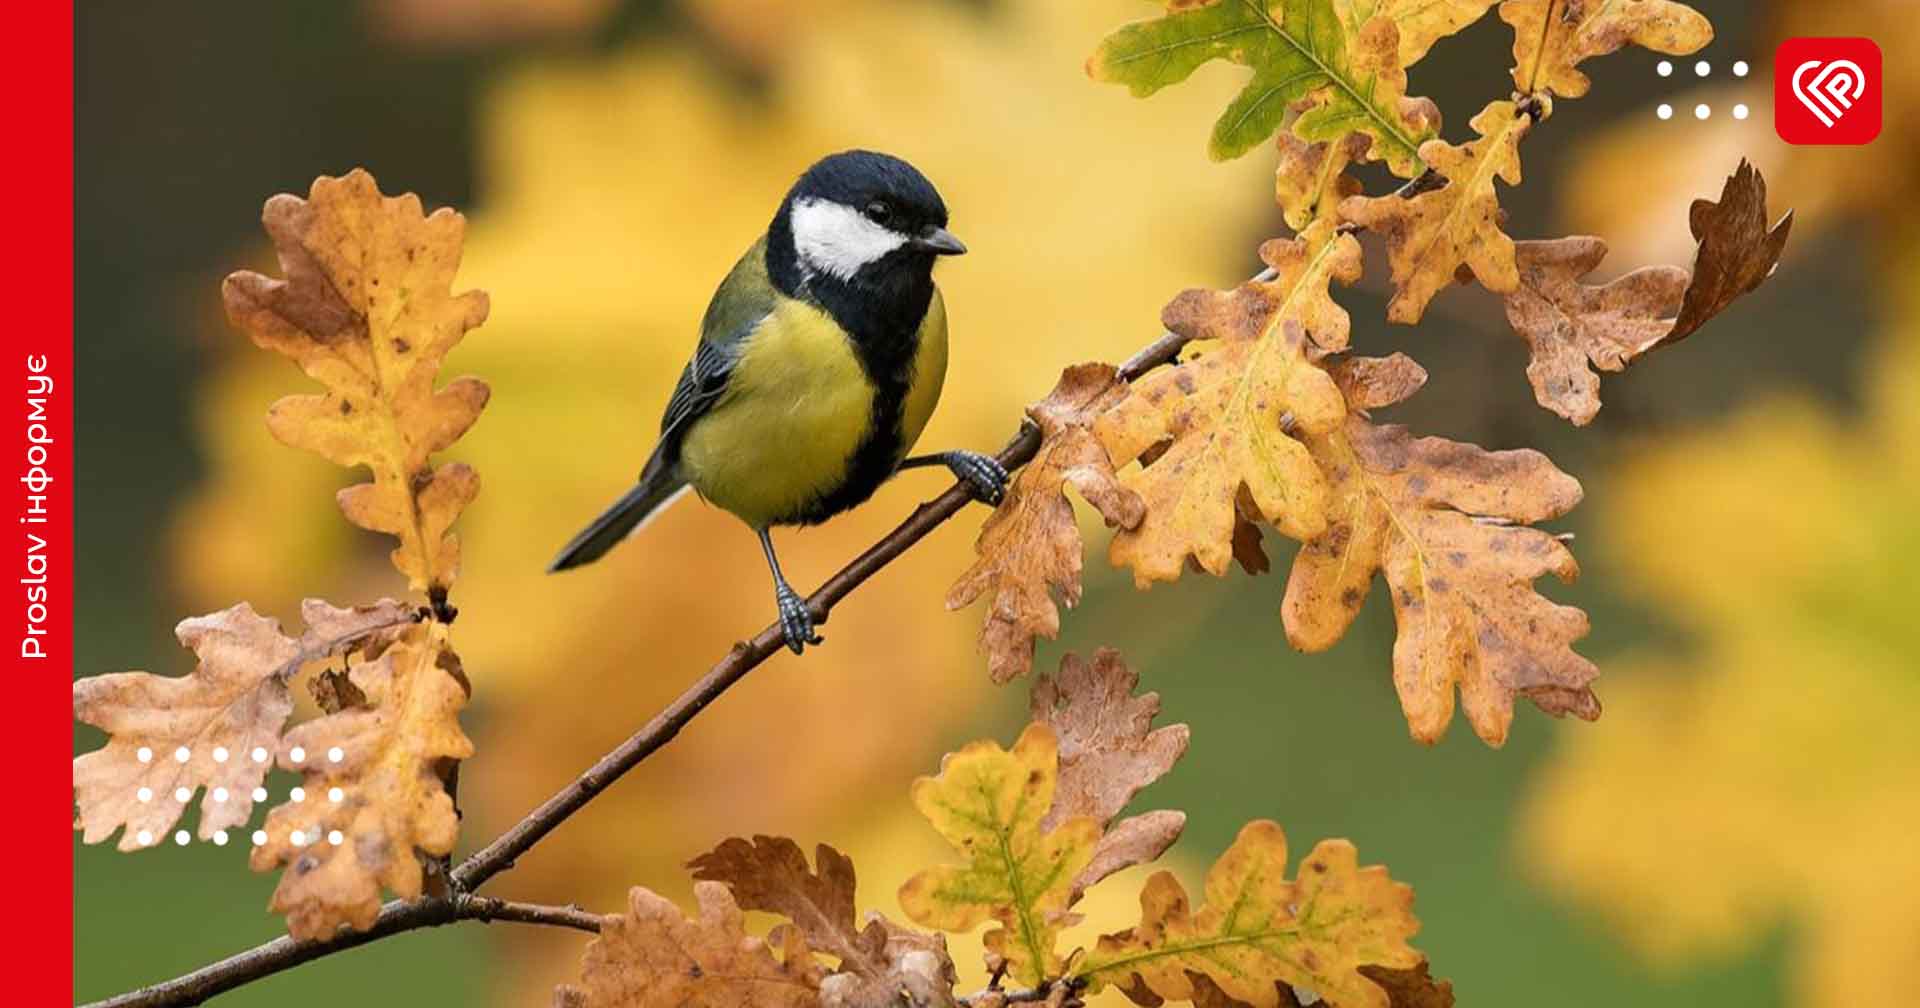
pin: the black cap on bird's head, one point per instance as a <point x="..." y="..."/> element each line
<point x="861" y="211"/>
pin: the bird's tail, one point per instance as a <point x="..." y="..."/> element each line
<point x="658" y="487"/>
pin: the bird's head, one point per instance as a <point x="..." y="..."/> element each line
<point x="861" y="217"/>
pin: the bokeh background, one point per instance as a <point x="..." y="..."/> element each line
<point x="1736" y="830"/>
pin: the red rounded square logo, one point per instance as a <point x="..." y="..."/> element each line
<point x="1826" y="91"/>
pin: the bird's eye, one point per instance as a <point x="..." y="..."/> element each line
<point x="878" y="212"/>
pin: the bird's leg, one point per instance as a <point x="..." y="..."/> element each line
<point x="796" y="620"/>
<point x="983" y="474"/>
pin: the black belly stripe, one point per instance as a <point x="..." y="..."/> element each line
<point x="882" y="312"/>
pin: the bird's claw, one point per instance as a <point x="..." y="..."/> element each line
<point x="796" y="620"/>
<point x="983" y="475"/>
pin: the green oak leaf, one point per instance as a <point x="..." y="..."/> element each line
<point x="1349" y="80"/>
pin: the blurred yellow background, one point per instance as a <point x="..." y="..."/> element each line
<point x="1735" y="830"/>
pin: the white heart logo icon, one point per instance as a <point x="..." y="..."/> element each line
<point x="1833" y="89"/>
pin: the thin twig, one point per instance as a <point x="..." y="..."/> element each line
<point x="286" y="953"/>
<point x="496" y="857"/>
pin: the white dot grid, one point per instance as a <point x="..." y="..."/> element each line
<point x="1702" y="68"/>
<point x="1741" y="111"/>
<point x="1702" y="111"/>
<point x="1665" y="69"/>
<point x="1740" y="68"/>
<point x="299" y="838"/>
<point x="1665" y="111"/>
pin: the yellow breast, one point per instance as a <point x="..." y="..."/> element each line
<point x="929" y="374"/>
<point x="796" y="407"/>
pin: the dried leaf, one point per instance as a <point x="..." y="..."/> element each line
<point x="1257" y="929"/>
<point x="1135" y="840"/>
<point x="1737" y="253"/>
<point x="1432" y="234"/>
<point x="1297" y="49"/>
<point x="771" y="874"/>
<point x="391" y="805"/>
<point x="367" y="310"/>
<point x="1108" y="747"/>
<point x="1573" y="328"/>
<point x="1223" y="410"/>
<point x="1421" y="22"/>
<point x="919" y="973"/>
<point x="989" y="803"/>
<point x="1311" y="178"/>
<point x="234" y="702"/>
<point x="1447" y="524"/>
<point x="1412" y="988"/>
<point x="1552" y="37"/>
<point x="1030" y="549"/>
<point x="652" y="957"/>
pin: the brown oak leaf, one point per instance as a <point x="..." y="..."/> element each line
<point x="1737" y="252"/>
<point x="1447" y="523"/>
<point x="653" y="957"/>
<point x="1573" y="328"/>
<point x="374" y="794"/>
<point x="1109" y="750"/>
<point x="1552" y="37"/>
<point x="367" y="310"/>
<point x="1430" y="235"/>
<point x="173" y="735"/>
<point x="1030" y="550"/>
<point x="877" y="962"/>
<point x="1229" y="417"/>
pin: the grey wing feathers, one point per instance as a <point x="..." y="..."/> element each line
<point x="742" y="300"/>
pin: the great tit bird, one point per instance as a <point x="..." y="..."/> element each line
<point x="821" y="357"/>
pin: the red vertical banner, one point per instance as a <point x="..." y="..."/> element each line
<point x="36" y="371"/>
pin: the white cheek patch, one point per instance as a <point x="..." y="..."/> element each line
<point x="837" y="239"/>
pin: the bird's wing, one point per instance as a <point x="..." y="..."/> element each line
<point x="744" y="298"/>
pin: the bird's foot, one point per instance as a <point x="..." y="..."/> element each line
<point x="796" y="620"/>
<point x="983" y="475"/>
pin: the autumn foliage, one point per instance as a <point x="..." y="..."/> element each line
<point x="1250" y="417"/>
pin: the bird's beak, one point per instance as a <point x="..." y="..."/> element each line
<point x="939" y="241"/>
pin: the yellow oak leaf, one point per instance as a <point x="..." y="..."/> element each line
<point x="1421" y="22"/>
<point x="170" y="736"/>
<point x="653" y="957"/>
<point x="1571" y="328"/>
<point x="1552" y="37"/>
<point x="1256" y="929"/>
<point x="1030" y="549"/>
<point x="1311" y="178"/>
<point x="1447" y="523"/>
<point x="367" y="310"/>
<point x="1430" y="235"/>
<point x="1234" y="411"/>
<point x="374" y="797"/>
<point x="989" y="803"/>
